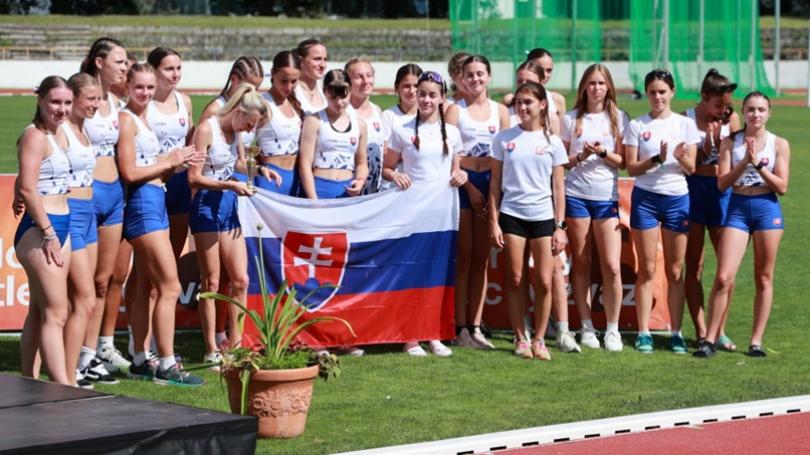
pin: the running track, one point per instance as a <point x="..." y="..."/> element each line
<point x="786" y="434"/>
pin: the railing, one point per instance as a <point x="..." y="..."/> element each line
<point x="60" y="52"/>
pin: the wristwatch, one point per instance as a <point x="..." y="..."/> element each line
<point x="762" y="163"/>
<point x="656" y="159"/>
<point x="562" y="225"/>
<point x="603" y="153"/>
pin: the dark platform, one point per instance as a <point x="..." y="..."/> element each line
<point x="41" y="417"/>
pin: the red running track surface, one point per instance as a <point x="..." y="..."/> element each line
<point x="784" y="434"/>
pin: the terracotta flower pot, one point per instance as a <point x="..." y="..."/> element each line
<point x="279" y="398"/>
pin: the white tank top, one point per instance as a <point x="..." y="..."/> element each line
<point x="170" y="129"/>
<point x="711" y="155"/>
<point x="335" y="149"/>
<point x="147" y="146"/>
<point x="750" y="177"/>
<point x="82" y="159"/>
<point x="54" y="170"/>
<point x="221" y="155"/>
<point x="246" y="137"/>
<point x="303" y="98"/>
<point x="477" y="136"/>
<point x="103" y="131"/>
<point x="281" y="134"/>
<point x="376" y="137"/>
<point x="552" y="106"/>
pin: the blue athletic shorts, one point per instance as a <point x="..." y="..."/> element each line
<point x="145" y="211"/>
<point x="576" y="207"/>
<point x="648" y="209"/>
<point x="108" y="201"/>
<point x="83" y="229"/>
<point x="178" y="194"/>
<point x="213" y="211"/>
<point x="754" y="213"/>
<point x="331" y="189"/>
<point x="707" y="204"/>
<point x="479" y="180"/>
<point x="289" y="181"/>
<point x="60" y="223"/>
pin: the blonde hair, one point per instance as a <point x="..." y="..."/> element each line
<point x="81" y="80"/>
<point x="246" y="98"/>
<point x="348" y="66"/>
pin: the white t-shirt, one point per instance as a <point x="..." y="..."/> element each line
<point x="592" y="179"/>
<point x="391" y="118"/>
<point x="528" y="158"/>
<point x="429" y="162"/>
<point x="647" y="133"/>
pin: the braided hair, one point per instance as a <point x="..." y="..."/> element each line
<point x="243" y="67"/>
<point x="436" y="78"/>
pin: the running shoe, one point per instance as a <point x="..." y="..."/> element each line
<point x="588" y="338"/>
<point x="439" y="349"/>
<point x="567" y="343"/>
<point x="414" y="349"/>
<point x="523" y="349"/>
<point x="354" y="351"/>
<point x="112" y="359"/>
<point x="677" y="345"/>
<point x="705" y="350"/>
<point x="613" y="342"/>
<point x="214" y="359"/>
<point x="540" y="351"/>
<point x="644" y="343"/>
<point x="95" y="372"/>
<point x="83" y="383"/>
<point x="756" y="350"/>
<point x="480" y="340"/>
<point x="144" y="371"/>
<point x="465" y="340"/>
<point x="176" y="376"/>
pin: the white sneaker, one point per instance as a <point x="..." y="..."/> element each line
<point x="465" y="340"/>
<point x="113" y="360"/>
<point x="613" y="342"/>
<point x="588" y="339"/>
<point x="214" y="359"/>
<point x="567" y="343"/>
<point x="354" y="351"/>
<point x="481" y="340"/>
<point x="414" y="349"/>
<point x="437" y="348"/>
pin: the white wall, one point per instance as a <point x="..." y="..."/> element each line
<point x="210" y="76"/>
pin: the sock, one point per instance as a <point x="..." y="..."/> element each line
<point x="220" y="337"/>
<point x="613" y="327"/>
<point x="85" y="357"/>
<point x="587" y="324"/>
<point x="105" y="342"/>
<point x="139" y="358"/>
<point x="167" y="362"/>
<point x="677" y="333"/>
<point x="562" y="326"/>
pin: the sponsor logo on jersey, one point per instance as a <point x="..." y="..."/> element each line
<point x="646" y="136"/>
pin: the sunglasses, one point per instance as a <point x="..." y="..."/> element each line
<point x="431" y="76"/>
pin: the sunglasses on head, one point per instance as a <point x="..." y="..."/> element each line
<point x="431" y="76"/>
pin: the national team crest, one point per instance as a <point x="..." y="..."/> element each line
<point x="353" y="140"/>
<point x="182" y="121"/>
<point x="540" y="150"/>
<point x="510" y="146"/>
<point x="314" y="262"/>
<point x="115" y="124"/>
<point x="777" y="221"/>
<point x="646" y="136"/>
<point x="376" y="126"/>
<point x="492" y="129"/>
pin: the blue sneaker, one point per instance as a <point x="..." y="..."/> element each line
<point x="144" y="371"/>
<point x="177" y="377"/>
<point x="644" y="343"/>
<point x="677" y="345"/>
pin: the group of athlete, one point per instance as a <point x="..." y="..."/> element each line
<point x="113" y="167"/>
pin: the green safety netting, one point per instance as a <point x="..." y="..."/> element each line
<point x="688" y="37"/>
<point x="504" y="30"/>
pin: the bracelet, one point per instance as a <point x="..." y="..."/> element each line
<point x="46" y="228"/>
<point x="45" y="238"/>
<point x="760" y="165"/>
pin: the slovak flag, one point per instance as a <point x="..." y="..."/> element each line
<point x="384" y="262"/>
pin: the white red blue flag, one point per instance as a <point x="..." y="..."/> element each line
<point x="387" y="260"/>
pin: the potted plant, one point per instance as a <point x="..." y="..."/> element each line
<point x="273" y="380"/>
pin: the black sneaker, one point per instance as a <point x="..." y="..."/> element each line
<point x="705" y="350"/>
<point x="144" y="371"/>
<point x="95" y="372"/>
<point x="176" y="376"/>
<point x="756" y="350"/>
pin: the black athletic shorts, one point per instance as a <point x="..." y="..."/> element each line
<point x="526" y="229"/>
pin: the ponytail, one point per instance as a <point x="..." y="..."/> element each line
<point x="416" y="131"/>
<point x="445" y="150"/>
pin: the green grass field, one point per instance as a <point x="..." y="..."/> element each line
<point x="390" y="398"/>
